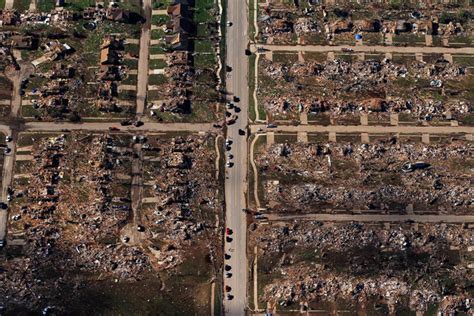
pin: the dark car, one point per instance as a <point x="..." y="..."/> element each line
<point x="236" y="99"/>
<point x="114" y="129"/>
<point x="241" y="132"/>
<point x="228" y="68"/>
<point x="237" y="109"/>
<point x="138" y="123"/>
<point x="227" y="267"/>
<point x="126" y="123"/>
<point x="248" y="52"/>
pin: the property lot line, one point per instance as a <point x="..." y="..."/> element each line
<point x="375" y="218"/>
<point x="368" y="49"/>
<point x="365" y="129"/>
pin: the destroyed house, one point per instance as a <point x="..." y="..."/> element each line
<point x="180" y="25"/>
<point x="341" y="26"/>
<point x="368" y="25"/>
<point x="118" y="15"/>
<point x="20" y="42"/>
<point x="178" y="42"/>
<point x="110" y="53"/>
<point x="88" y="13"/>
<point x="9" y="17"/>
<point x="110" y="57"/>
<point x="178" y="9"/>
<point x="110" y="73"/>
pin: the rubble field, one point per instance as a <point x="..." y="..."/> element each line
<point x="339" y="91"/>
<point x="399" y="23"/>
<point x="183" y="80"/>
<point x="386" y="175"/>
<point x="73" y="64"/>
<point x="367" y="269"/>
<point x="79" y="236"/>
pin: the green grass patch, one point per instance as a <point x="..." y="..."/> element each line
<point x="251" y="82"/>
<point x="409" y="39"/>
<point x="464" y="60"/>
<point x="132" y="49"/>
<point x="131" y="63"/>
<point x="21" y="5"/>
<point x="46" y="5"/>
<point x="78" y="5"/>
<point x="157" y="34"/>
<point x="157" y="79"/>
<point x="156" y="49"/>
<point x="202" y="13"/>
<point x="285" y="57"/>
<point x="157" y="64"/>
<point x="130" y="80"/>
<point x="160" y="20"/>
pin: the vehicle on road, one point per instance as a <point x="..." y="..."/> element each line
<point x="232" y="119"/>
<point x="3" y="205"/>
<point x="228" y="231"/>
<point x="229" y="164"/>
<point x="126" y="123"/>
<point x="230" y="105"/>
<point x="236" y="109"/>
<point x="138" y="123"/>
<point x="7" y="150"/>
<point x="8" y="138"/>
<point x="230" y="297"/>
<point x="228" y="239"/>
<point x="226" y="256"/>
<point x="228" y="141"/>
<point x="228" y="275"/>
<point x="241" y="132"/>
<point x="228" y="288"/>
<point x="114" y="129"/>
<point x="236" y="99"/>
<point x="272" y="125"/>
<point x="227" y="267"/>
<point x="230" y="156"/>
<point x="229" y="23"/>
<point x="2" y="244"/>
<point x="228" y="68"/>
<point x="248" y="52"/>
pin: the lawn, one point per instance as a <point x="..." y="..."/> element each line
<point x="46" y="5"/>
<point x="157" y="64"/>
<point x="21" y="5"/>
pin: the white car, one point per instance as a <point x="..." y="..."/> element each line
<point x="8" y="138"/>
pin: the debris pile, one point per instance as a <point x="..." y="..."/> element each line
<point x="385" y="176"/>
<point x="185" y="192"/>
<point x="307" y="262"/>
<point x="278" y="22"/>
<point x="367" y="86"/>
<point x="70" y="218"/>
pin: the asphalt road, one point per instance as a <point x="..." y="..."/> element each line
<point x="143" y="58"/>
<point x="365" y="129"/>
<point x="236" y="176"/>
<point x="370" y="49"/>
<point x="104" y="126"/>
<point x="7" y="175"/>
<point x="375" y="218"/>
